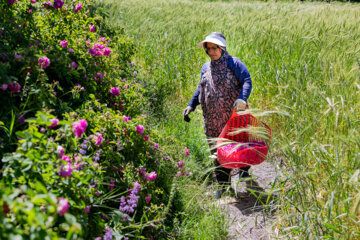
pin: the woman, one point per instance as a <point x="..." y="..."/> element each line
<point x="225" y="84"/>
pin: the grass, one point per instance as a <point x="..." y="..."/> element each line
<point x="304" y="59"/>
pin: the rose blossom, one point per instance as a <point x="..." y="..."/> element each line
<point x="148" y="198"/>
<point x="74" y="65"/>
<point x="87" y="209"/>
<point x="98" y="139"/>
<point x="48" y="3"/>
<point x="186" y="151"/>
<point x="44" y="62"/>
<point x="4" y="87"/>
<point x="140" y="129"/>
<point x="65" y="171"/>
<point x="62" y="206"/>
<point x="151" y="176"/>
<point x="78" y="7"/>
<point x="55" y="122"/>
<point x="58" y="4"/>
<point x="92" y="28"/>
<point x="60" y="151"/>
<point x="64" y="44"/>
<point x="14" y="87"/>
<point x="79" y="127"/>
<point x="115" y="91"/>
<point x="107" y="51"/>
<point x="66" y="159"/>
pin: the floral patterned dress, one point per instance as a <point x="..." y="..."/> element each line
<point x="219" y="89"/>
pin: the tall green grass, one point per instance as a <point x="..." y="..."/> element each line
<point x="304" y="58"/>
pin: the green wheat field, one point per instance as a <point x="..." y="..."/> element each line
<point x="304" y="60"/>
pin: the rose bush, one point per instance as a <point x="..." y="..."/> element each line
<point x="50" y="59"/>
<point x="79" y="157"/>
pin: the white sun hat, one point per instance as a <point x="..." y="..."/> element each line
<point x="216" y="38"/>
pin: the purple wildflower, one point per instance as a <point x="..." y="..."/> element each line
<point x="87" y="210"/>
<point x="108" y="235"/>
<point x="128" y="205"/>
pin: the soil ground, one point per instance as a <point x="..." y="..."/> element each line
<point x="250" y="208"/>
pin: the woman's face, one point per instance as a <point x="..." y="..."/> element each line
<point x="214" y="51"/>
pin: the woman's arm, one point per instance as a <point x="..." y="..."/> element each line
<point x="242" y="75"/>
<point x="195" y="99"/>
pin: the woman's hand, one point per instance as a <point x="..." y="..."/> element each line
<point x="239" y="105"/>
<point x="187" y="111"/>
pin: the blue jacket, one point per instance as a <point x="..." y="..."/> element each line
<point x="241" y="73"/>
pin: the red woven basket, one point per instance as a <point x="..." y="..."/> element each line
<point x="252" y="152"/>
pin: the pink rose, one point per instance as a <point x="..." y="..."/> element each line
<point x="58" y="4"/>
<point x="148" y="198"/>
<point x="98" y="139"/>
<point x="55" y="122"/>
<point x="140" y="129"/>
<point x="107" y="51"/>
<point x="92" y="28"/>
<point x="115" y="91"/>
<point x="87" y="209"/>
<point x="14" y="87"/>
<point x="4" y="87"/>
<point x="64" y="44"/>
<point x="74" y="65"/>
<point x="44" y="62"/>
<point x="146" y="138"/>
<point x="60" y="151"/>
<point x="66" y="159"/>
<point x="79" y="127"/>
<point x="62" y="206"/>
<point x="78" y="7"/>
<point x="65" y="171"/>
<point x="186" y="151"/>
<point x="151" y="176"/>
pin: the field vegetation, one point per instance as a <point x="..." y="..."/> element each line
<point x="304" y="59"/>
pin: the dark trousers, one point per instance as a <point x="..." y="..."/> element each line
<point x="222" y="175"/>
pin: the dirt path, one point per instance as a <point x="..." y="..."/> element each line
<point x="249" y="208"/>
